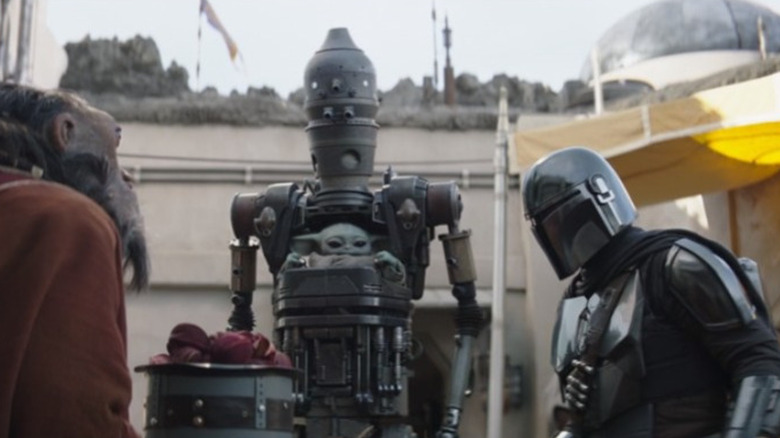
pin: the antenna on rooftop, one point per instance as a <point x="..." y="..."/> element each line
<point x="435" y="49"/>
<point x="449" y="75"/>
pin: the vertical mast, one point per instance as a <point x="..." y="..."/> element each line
<point x="4" y="40"/>
<point x="435" y="49"/>
<point x="22" y="73"/>
<point x="496" y="382"/>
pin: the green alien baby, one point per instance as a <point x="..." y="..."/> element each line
<point x="343" y="244"/>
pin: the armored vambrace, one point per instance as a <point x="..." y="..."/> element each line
<point x="756" y="409"/>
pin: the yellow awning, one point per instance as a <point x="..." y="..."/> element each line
<point x="714" y="140"/>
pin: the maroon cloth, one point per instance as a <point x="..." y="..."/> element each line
<point x="12" y="175"/>
<point x="63" y="360"/>
<point x="189" y="343"/>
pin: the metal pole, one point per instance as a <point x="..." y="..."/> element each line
<point x="496" y="382"/>
<point x="449" y="74"/>
<point x="761" y="37"/>
<point x="22" y="73"/>
<point x="4" y="43"/>
<point x="435" y="49"/>
<point x="598" y="96"/>
<point x="200" y="37"/>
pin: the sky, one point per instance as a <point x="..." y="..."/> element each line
<point x="536" y="40"/>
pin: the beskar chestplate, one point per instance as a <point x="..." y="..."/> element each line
<point x="616" y="386"/>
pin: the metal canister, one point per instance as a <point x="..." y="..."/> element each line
<point x="202" y="400"/>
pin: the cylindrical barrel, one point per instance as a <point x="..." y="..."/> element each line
<point x="218" y="401"/>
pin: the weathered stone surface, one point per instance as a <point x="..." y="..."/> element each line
<point x="531" y="96"/>
<point x="127" y="79"/>
<point x="404" y="94"/>
<point x="457" y="118"/>
<point x="201" y="108"/>
<point x="571" y="93"/>
<point x="469" y="92"/>
<point x="132" y="68"/>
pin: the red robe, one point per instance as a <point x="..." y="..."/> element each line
<point x="63" y="349"/>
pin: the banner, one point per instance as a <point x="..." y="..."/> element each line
<point x="211" y="17"/>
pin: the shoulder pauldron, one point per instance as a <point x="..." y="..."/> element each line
<point x="707" y="286"/>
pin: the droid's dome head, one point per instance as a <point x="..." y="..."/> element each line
<point x="341" y="104"/>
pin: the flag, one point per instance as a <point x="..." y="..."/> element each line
<point x="211" y="17"/>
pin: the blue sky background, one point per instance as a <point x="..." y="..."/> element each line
<point x="536" y="40"/>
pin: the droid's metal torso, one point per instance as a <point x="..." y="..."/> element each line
<point x="345" y="327"/>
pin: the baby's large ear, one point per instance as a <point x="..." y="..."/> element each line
<point x="305" y="243"/>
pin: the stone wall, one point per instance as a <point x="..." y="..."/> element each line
<point x="127" y="79"/>
<point x="131" y="68"/>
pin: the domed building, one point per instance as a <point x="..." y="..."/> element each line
<point x="679" y="40"/>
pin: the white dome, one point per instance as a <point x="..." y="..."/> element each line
<point x="674" y="27"/>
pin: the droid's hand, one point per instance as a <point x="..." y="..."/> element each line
<point x="391" y="268"/>
<point x="293" y="260"/>
<point x="578" y="385"/>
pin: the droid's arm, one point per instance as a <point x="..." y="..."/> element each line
<point x="411" y="207"/>
<point x="243" y="254"/>
<point x="469" y="321"/>
<point x="243" y="262"/>
<point x="259" y="219"/>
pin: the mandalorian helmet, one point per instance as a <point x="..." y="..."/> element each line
<point x="576" y="203"/>
<point x="341" y="104"/>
